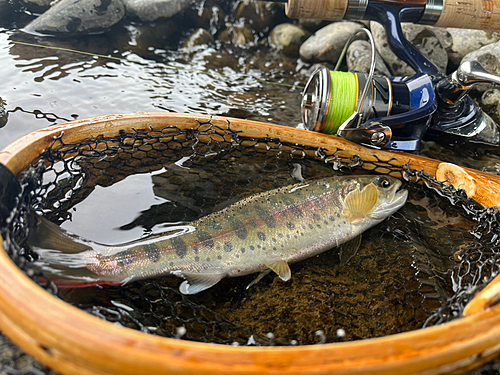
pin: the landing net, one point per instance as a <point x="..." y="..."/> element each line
<point x="418" y="268"/>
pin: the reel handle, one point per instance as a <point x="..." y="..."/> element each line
<point x="470" y="14"/>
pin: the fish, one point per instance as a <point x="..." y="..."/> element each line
<point x="262" y="232"/>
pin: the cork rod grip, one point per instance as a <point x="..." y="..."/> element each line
<point x="331" y="10"/>
<point x="466" y="14"/>
<point x="470" y="14"/>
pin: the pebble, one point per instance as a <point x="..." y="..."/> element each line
<point x="78" y="17"/>
<point x="238" y="35"/>
<point x="152" y="10"/>
<point x="422" y="37"/>
<point x="259" y="15"/>
<point x="490" y="102"/>
<point x="466" y="41"/>
<point x="359" y="57"/>
<point x="288" y="38"/>
<point x="327" y="43"/>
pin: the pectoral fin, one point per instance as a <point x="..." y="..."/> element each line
<point x="196" y="282"/>
<point x="349" y="249"/>
<point x="281" y="268"/>
<point x="358" y="203"/>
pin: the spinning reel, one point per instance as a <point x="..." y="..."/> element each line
<point x="398" y="112"/>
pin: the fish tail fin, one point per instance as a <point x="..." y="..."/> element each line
<point x="47" y="235"/>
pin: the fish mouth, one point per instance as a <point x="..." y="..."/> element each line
<point x="387" y="208"/>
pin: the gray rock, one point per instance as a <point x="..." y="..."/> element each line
<point x="311" y="24"/>
<point x="465" y="41"/>
<point x="198" y="38"/>
<point x="489" y="57"/>
<point x="37" y="4"/>
<point x="78" y="17"/>
<point x="287" y="38"/>
<point x="327" y="43"/>
<point x="3" y="114"/>
<point x="359" y="58"/>
<point x="424" y="38"/>
<point x="151" y="10"/>
<point x="490" y="102"/>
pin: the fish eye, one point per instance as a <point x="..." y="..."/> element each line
<point x="383" y="182"/>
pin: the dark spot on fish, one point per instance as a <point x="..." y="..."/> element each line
<point x="319" y="226"/>
<point x="303" y="226"/>
<point x="195" y="250"/>
<point x="243" y="249"/>
<point x="275" y="240"/>
<point x="228" y="247"/>
<point x="261" y="236"/>
<point x="208" y="259"/>
<point x="310" y="226"/>
<point x="218" y="247"/>
<point x="237" y="255"/>
<point x="301" y="233"/>
<point x="316" y="217"/>
<point x="275" y="249"/>
<point x="331" y="218"/>
<point x="252" y="247"/>
<point x="295" y="236"/>
<point x="296" y="212"/>
<point x="345" y="222"/>
<point x="258" y="246"/>
<point x="205" y="238"/>
<point x="219" y="257"/>
<point x="265" y="216"/>
<point x="214" y="224"/>
<point x="179" y="246"/>
<point x="287" y="236"/>
<point x="290" y="226"/>
<point x="197" y="259"/>
<point x="153" y="252"/>
<point x="338" y="215"/>
<point x="325" y="222"/>
<point x="238" y="227"/>
<point x="263" y="248"/>
<point x="280" y="235"/>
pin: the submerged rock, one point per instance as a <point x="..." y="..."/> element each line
<point x="327" y="43"/>
<point x="151" y="10"/>
<point x="359" y="57"/>
<point x="424" y="38"/>
<point x="257" y="14"/>
<point x="36" y="5"/>
<point x="287" y="38"/>
<point x="78" y="17"/>
<point x="237" y="35"/>
<point x="198" y="38"/>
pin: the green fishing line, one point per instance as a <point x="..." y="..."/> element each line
<point x="343" y="98"/>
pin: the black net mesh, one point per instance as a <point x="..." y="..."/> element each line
<point x="418" y="268"/>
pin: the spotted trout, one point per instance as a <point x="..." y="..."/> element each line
<point x="262" y="232"/>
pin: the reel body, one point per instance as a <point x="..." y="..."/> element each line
<point x="398" y="112"/>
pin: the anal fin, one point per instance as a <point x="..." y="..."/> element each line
<point x="259" y="277"/>
<point x="280" y="267"/>
<point x="196" y="282"/>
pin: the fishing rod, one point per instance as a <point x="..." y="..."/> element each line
<point x="398" y="112"/>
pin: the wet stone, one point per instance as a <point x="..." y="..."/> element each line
<point x="327" y="43"/>
<point x="287" y="38"/>
<point x="199" y="37"/>
<point x="78" y="17"/>
<point x="147" y="11"/>
<point x="359" y="59"/>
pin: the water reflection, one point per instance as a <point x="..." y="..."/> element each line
<point x="141" y="72"/>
